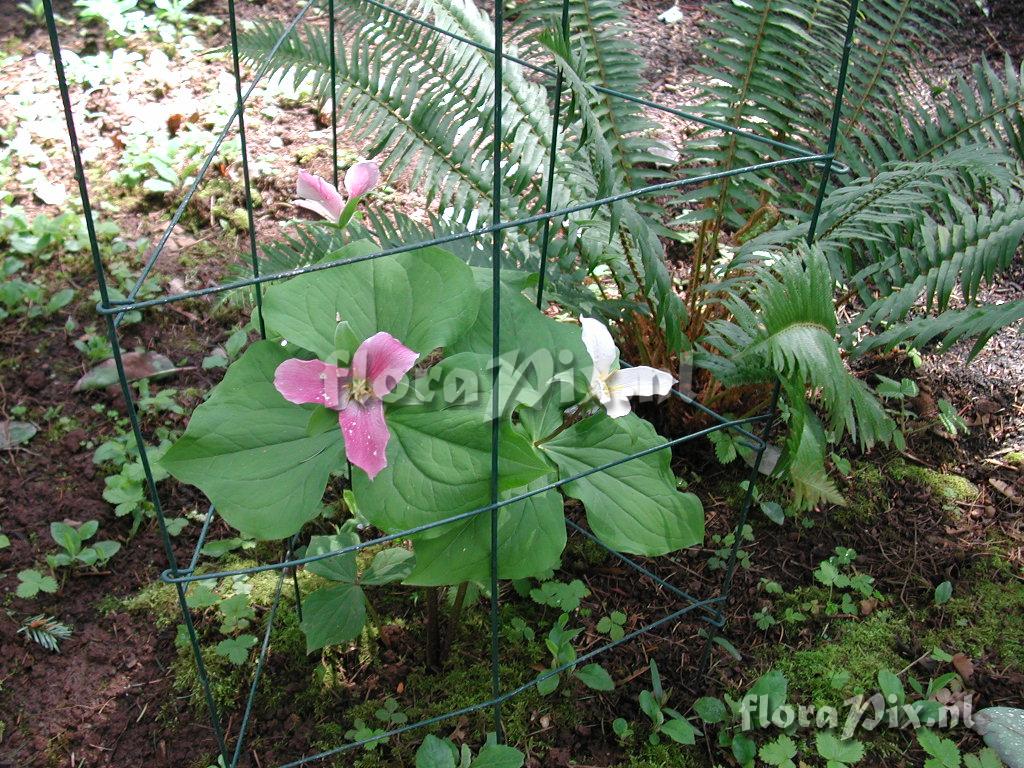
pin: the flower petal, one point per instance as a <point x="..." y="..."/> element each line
<point x="382" y="360"/>
<point x="361" y="178"/>
<point x="617" y="407"/>
<point x="366" y="435"/>
<point x="310" y="381"/>
<point x="642" y="381"/>
<point x="319" y="196"/>
<point x="599" y="344"/>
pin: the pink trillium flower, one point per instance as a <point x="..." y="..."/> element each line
<point x="356" y="392"/>
<point x="319" y="195"/>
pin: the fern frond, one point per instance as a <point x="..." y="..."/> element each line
<point x="787" y="323"/>
<point x="980" y="323"/>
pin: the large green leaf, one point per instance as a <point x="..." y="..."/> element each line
<point x="340" y="567"/>
<point x="537" y="352"/>
<point x="425" y="299"/>
<point x="531" y="537"/>
<point x="439" y="464"/>
<point x="248" y="449"/>
<point x="634" y="506"/>
<point x="333" y="615"/>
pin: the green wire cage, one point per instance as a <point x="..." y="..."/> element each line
<point x="751" y="431"/>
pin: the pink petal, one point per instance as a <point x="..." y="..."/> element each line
<point x="382" y="360"/>
<point x="361" y="178"/>
<point x="366" y="435"/>
<point x="318" y="192"/>
<point x="310" y="381"/>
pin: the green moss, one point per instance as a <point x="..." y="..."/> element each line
<point x="158" y="601"/>
<point x="949" y="486"/>
<point x="864" y="497"/>
<point x="987" y="618"/>
<point x="665" y="755"/>
<point x="1015" y="457"/>
<point x="226" y="680"/>
<point x="861" y="648"/>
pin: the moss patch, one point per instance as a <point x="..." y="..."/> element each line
<point x="864" y="496"/>
<point x="665" y="755"/>
<point x="1015" y="457"/>
<point x="949" y="486"/>
<point x="988" y="618"/>
<point x="860" y="648"/>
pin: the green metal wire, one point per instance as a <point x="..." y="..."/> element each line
<point x="496" y="238"/>
<point x="250" y="217"/>
<point x="121" y="307"/>
<point x="711" y="610"/>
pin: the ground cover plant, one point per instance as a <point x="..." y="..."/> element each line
<point x="867" y="569"/>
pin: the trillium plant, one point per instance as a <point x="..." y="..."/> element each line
<point x="376" y="381"/>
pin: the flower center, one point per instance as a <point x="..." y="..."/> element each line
<point x="360" y="390"/>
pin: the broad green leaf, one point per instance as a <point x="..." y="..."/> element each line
<point x="425" y="299"/>
<point x="538" y="354"/>
<point x="333" y="615"/>
<point x="340" y="567"/>
<point x="744" y="749"/>
<point x="595" y="677"/>
<point x="1003" y="731"/>
<point x="634" y="506"/>
<point x="66" y="536"/>
<point x="498" y="756"/>
<point x="548" y="684"/>
<point x="531" y="536"/>
<point x="236" y="649"/>
<point x="710" y="709"/>
<point x="31" y="582"/>
<point x="779" y="752"/>
<point x="944" y="753"/>
<point x="773" y="686"/>
<point x="248" y="450"/>
<point x="439" y="464"/>
<point x="435" y="753"/>
<point x="835" y="750"/>
<point x="943" y="592"/>
<point x="202" y="596"/>
<point x="393" y="564"/>
<point x="680" y="730"/>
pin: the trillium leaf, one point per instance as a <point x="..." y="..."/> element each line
<point x="439" y="464"/>
<point x="388" y="566"/>
<point x="333" y="615"/>
<point x="538" y="354"/>
<point x="340" y="567"/>
<point x="531" y="535"/>
<point x="249" y="451"/>
<point x="634" y="506"/>
<point x="425" y="299"/>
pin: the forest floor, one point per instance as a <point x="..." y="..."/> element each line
<point x="122" y="691"/>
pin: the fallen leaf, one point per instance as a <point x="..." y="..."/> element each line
<point x="1005" y="489"/>
<point x="963" y="666"/>
<point x="14" y="433"/>
<point x="137" y="365"/>
<point x="49" y="193"/>
<point x="868" y="606"/>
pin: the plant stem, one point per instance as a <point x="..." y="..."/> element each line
<point x="453" y="622"/>
<point x="433" y="630"/>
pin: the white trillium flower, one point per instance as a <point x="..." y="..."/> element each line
<point x="612" y="386"/>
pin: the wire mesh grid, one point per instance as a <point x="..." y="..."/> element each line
<point x="752" y="431"/>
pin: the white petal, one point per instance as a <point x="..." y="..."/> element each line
<point x="617" y="407"/>
<point x="642" y="381"/>
<point x="599" y="344"/>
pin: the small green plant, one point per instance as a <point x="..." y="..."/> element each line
<point x="950" y="418"/>
<point x="45" y="631"/>
<point x="74" y="551"/>
<point x="35" y="9"/>
<point x="518" y="630"/>
<point x="838" y="752"/>
<point x="221" y="356"/>
<point x="31" y="582"/>
<point x="665" y="721"/>
<point x="442" y="753"/>
<point x="559" y="644"/>
<point x="845" y="582"/>
<point x="613" y="625"/>
<point x="390" y="714"/>
<point x="943" y="592"/>
<point x="723" y="547"/>
<point x="560" y="595"/>
<point x="622" y="729"/>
